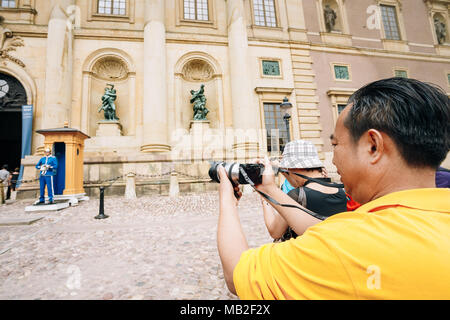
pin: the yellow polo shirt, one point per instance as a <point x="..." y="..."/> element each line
<point x="395" y="247"/>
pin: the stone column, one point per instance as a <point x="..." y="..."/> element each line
<point x="245" y="111"/>
<point x="155" y="127"/>
<point x="58" y="73"/>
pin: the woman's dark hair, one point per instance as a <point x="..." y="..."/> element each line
<point x="416" y="115"/>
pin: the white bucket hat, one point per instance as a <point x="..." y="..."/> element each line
<point x="300" y="154"/>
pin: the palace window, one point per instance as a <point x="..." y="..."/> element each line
<point x="271" y="68"/>
<point x="341" y="72"/>
<point x="8" y="3"/>
<point x="390" y="22"/>
<point x="264" y="13"/>
<point x="401" y="73"/>
<point x="275" y="126"/>
<point x="340" y="108"/>
<point x="115" y="7"/>
<point x="196" y="10"/>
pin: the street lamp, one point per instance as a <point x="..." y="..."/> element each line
<point x="286" y="107"/>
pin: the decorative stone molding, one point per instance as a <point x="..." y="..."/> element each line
<point x="8" y="43"/>
<point x="341" y="36"/>
<point x="110" y="68"/>
<point x="197" y="70"/>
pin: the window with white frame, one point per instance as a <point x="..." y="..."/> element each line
<point x="115" y="7"/>
<point x="390" y="22"/>
<point x="8" y="3"/>
<point x="276" y="129"/>
<point x="196" y="10"/>
<point x="264" y="13"/>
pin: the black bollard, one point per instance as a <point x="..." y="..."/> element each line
<point x="101" y="210"/>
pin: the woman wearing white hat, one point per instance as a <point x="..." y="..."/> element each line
<point x="319" y="195"/>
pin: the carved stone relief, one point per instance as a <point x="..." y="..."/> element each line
<point x="8" y="43"/>
<point x="197" y="70"/>
<point x="110" y="68"/>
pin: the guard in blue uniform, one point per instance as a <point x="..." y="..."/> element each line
<point x="47" y="167"/>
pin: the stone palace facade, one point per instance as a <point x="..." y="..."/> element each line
<point x="60" y="55"/>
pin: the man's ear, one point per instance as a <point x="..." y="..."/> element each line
<point x="375" y="145"/>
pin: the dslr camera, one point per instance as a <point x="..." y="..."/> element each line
<point x="234" y="172"/>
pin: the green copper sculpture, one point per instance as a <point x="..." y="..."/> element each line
<point x="199" y="101"/>
<point x="108" y="105"/>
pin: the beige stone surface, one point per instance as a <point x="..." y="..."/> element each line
<point x="155" y="57"/>
<point x="151" y="248"/>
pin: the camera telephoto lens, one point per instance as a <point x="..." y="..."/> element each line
<point x="253" y="171"/>
<point x="231" y="168"/>
<point x="214" y="171"/>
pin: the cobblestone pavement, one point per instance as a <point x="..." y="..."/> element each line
<point x="154" y="247"/>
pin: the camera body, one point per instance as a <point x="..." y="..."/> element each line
<point x="233" y="170"/>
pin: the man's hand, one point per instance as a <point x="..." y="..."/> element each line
<point x="268" y="177"/>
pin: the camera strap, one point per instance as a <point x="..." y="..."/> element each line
<point x="324" y="183"/>
<point x="270" y="199"/>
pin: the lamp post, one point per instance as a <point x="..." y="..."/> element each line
<point x="286" y="107"/>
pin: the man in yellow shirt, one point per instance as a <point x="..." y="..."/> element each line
<point x="388" y="143"/>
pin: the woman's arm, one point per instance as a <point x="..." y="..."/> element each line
<point x="231" y="241"/>
<point x="275" y="224"/>
<point x="297" y="219"/>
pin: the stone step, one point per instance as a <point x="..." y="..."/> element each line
<point x="18" y="221"/>
<point x="47" y="207"/>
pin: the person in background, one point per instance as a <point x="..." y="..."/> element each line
<point x="4" y="178"/>
<point x="442" y="178"/>
<point x="47" y="166"/>
<point x="286" y="186"/>
<point x="12" y="182"/>
<point x="301" y="157"/>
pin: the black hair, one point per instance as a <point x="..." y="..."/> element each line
<point x="416" y="115"/>
<point x="313" y="169"/>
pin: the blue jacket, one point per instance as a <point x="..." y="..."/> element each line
<point x="52" y="162"/>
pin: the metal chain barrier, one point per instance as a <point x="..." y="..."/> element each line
<point x="113" y="180"/>
<point x="27" y="181"/>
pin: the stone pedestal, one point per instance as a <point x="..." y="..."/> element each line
<point x="199" y="131"/>
<point x="108" y="128"/>
<point x="47" y="207"/>
<point x="199" y="126"/>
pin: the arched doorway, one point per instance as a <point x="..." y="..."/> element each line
<point x="12" y="97"/>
